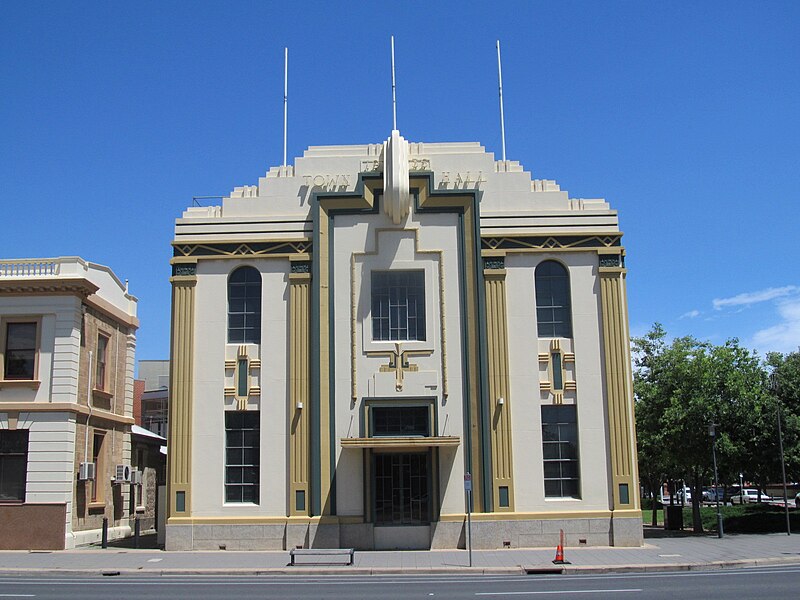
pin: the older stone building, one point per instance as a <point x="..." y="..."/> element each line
<point x="67" y="338"/>
<point x="362" y="338"/>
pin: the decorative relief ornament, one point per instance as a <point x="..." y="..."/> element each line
<point x="396" y="197"/>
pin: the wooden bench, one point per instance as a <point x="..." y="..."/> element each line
<point x="348" y="552"/>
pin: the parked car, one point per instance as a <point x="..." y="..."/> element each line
<point x="750" y="495"/>
<point x="709" y="496"/>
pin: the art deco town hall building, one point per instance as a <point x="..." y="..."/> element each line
<point x="357" y="335"/>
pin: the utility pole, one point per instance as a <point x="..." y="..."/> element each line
<point x="712" y="431"/>
<point x="773" y="384"/>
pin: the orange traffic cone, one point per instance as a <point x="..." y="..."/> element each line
<point x="559" y="559"/>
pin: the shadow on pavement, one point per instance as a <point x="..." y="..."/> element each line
<point x="147" y="541"/>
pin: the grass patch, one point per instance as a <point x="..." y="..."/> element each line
<point x="747" y="518"/>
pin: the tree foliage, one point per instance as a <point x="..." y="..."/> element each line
<point x="682" y="387"/>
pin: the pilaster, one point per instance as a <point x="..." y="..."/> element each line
<point x="499" y="401"/>
<point x="619" y="386"/>
<point x="299" y="317"/>
<point x="179" y="459"/>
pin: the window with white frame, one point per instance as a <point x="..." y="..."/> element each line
<point x="560" y="451"/>
<point x="20" y="351"/>
<point x="398" y="305"/>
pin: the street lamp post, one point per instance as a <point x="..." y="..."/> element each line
<point x="773" y="384"/>
<point x="712" y="431"/>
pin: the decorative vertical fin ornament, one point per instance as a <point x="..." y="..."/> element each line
<point x="242" y="378"/>
<point x="396" y="195"/>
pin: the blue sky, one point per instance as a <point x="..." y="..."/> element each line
<point x="684" y="116"/>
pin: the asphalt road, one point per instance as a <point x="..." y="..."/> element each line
<point x="777" y="582"/>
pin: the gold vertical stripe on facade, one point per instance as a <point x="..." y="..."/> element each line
<point x="474" y="391"/>
<point x="619" y="393"/>
<point x="443" y="326"/>
<point x="299" y="291"/>
<point x="500" y="414"/>
<point x="180" y="404"/>
<point x="353" y="296"/>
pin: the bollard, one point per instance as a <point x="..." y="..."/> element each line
<point x="136" y="532"/>
<point x="104" y="543"/>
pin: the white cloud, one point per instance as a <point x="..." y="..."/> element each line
<point x="785" y="336"/>
<point x="692" y="314"/>
<point x="748" y="298"/>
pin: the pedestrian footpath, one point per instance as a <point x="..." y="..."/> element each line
<point x="660" y="554"/>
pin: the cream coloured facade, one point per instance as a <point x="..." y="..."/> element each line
<point x="67" y="342"/>
<point x="359" y="333"/>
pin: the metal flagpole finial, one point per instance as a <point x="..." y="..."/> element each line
<point x="285" y="97"/>
<point x="500" y="86"/>
<point x="394" y="96"/>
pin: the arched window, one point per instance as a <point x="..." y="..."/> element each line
<point x="553" y="307"/>
<point x="244" y="306"/>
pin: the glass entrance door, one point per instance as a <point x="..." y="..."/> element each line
<point x="401" y="489"/>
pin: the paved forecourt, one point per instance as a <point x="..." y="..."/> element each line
<point x="692" y="552"/>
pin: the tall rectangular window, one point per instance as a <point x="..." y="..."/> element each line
<point x="242" y="450"/>
<point x="13" y="465"/>
<point x="20" y="351"/>
<point x="98" y="458"/>
<point x="560" y="451"/>
<point x="398" y="305"/>
<point x="244" y="306"/>
<point x="553" y="302"/>
<point x="102" y="354"/>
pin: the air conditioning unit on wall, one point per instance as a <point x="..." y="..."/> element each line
<point x="124" y="474"/>
<point x="86" y="471"/>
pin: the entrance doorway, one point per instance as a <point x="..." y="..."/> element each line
<point x="402" y="485"/>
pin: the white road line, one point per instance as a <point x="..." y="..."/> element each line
<point x="557" y="592"/>
<point x="17" y="595"/>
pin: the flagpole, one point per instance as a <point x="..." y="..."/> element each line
<point x="285" y="98"/>
<point x="394" y="97"/>
<point x="500" y="86"/>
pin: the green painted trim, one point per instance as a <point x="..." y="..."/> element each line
<point x="482" y="353"/>
<point x="315" y="480"/>
<point x="487" y="483"/>
<point x="331" y="368"/>
<point x="465" y="400"/>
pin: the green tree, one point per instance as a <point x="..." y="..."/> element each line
<point x="682" y="387"/>
<point x="786" y="371"/>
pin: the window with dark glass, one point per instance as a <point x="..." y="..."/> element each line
<point x="400" y="421"/>
<point x="242" y="462"/>
<point x="20" y="351"/>
<point x="560" y="451"/>
<point x="102" y="351"/>
<point x="553" y="306"/>
<point x="13" y="464"/>
<point x="244" y="306"/>
<point x="398" y="305"/>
